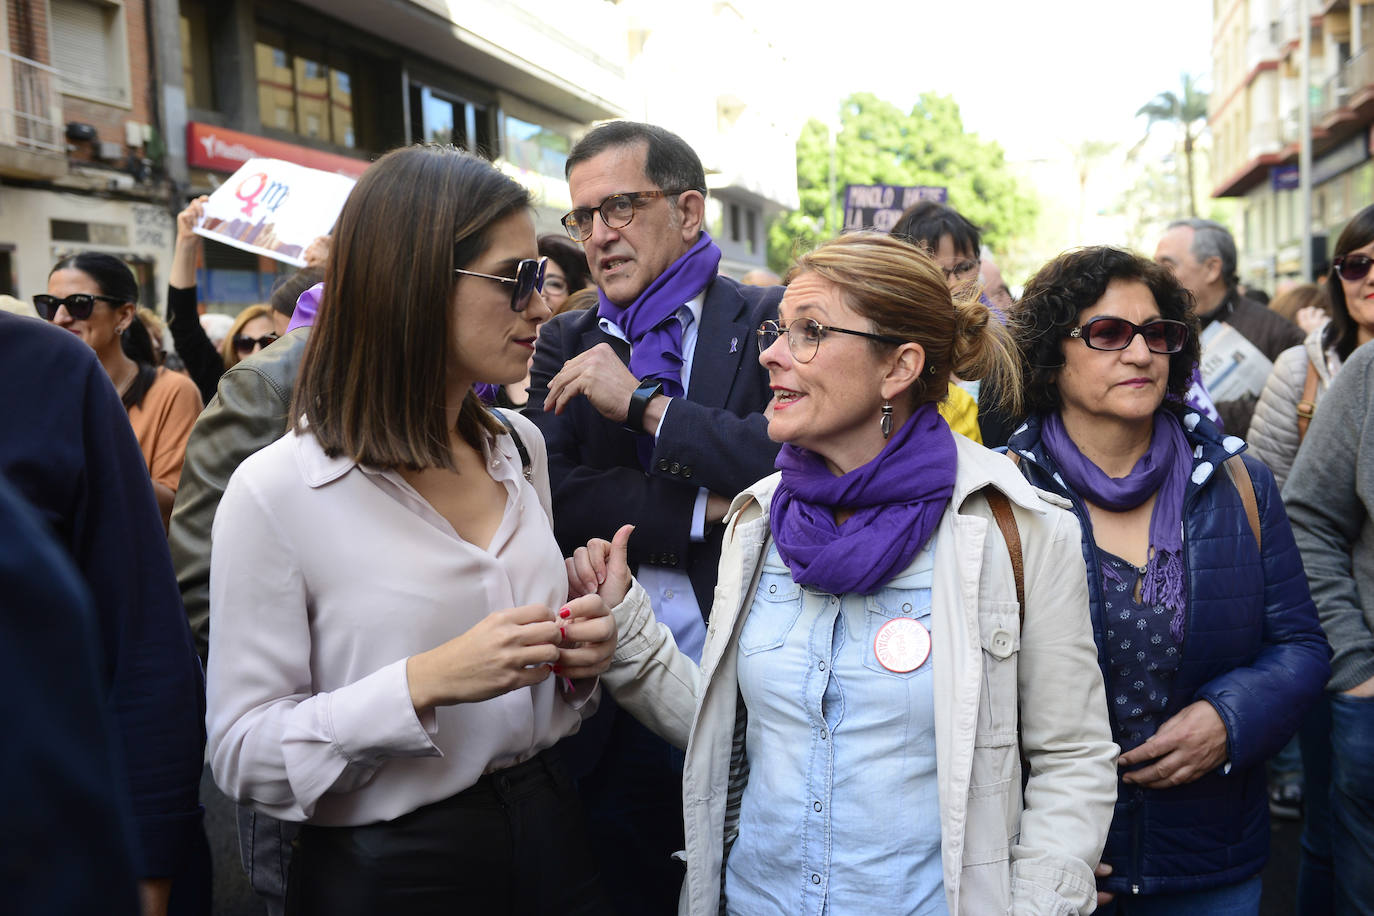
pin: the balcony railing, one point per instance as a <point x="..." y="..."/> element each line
<point x="30" y="105"/>
<point x="1331" y="97"/>
<point x="1265" y="138"/>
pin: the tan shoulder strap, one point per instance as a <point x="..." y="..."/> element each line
<point x="1308" y="405"/>
<point x="1006" y="521"/>
<point x="1240" y="479"/>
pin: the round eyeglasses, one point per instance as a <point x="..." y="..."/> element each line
<point x="804" y="336"/>
<point x="1110" y="333"/>
<point x="617" y="212"/>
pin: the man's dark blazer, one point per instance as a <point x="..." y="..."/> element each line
<point x="715" y="438"/>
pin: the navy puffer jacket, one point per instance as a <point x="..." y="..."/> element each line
<point x="1252" y="648"/>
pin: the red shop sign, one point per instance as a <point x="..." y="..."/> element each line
<point x="222" y="150"/>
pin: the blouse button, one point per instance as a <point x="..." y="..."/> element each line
<point x="816" y="806"/>
<point x="815" y="879"/>
<point x="772" y="589"/>
<point x="821" y="666"/>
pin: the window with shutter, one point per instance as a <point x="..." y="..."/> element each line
<point x="88" y="51"/>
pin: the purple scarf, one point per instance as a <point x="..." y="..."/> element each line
<point x="1163" y="469"/>
<point x="898" y="499"/>
<point x="650" y="322"/>
<point x="307" y="305"/>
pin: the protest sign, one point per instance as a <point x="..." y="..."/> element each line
<point x="878" y="206"/>
<point x="274" y="208"/>
<point x="1231" y="366"/>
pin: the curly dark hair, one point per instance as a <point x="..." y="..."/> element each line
<point x="1074" y="281"/>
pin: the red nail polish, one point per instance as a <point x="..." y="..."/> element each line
<point x="562" y="634"/>
<point x="565" y="613"/>
<point x="556" y="669"/>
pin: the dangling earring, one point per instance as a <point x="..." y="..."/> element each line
<point x="886" y="421"/>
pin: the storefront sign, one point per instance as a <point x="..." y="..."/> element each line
<point x="1283" y="177"/>
<point x="221" y="150"/>
<point x="274" y="208"/>
<point x="878" y="206"/>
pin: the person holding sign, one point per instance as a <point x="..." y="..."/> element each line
<point x="1209" y="642"/>
<point x="896" y="611"/>
<point x="393" y="654"/>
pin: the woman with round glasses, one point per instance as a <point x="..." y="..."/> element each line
<point x="1207" y="638"/>
<point x="897" y="622"/>
<point x="393" y="654"/>
<point x="95" y="296"/>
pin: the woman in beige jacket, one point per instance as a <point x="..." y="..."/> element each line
<point x="870" y="679"/>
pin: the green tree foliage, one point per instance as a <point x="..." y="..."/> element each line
<point x="878" y="143"/>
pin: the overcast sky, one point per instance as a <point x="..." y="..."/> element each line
<point x="1033" y="75"/>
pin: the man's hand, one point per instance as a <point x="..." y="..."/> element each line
<point x="716" y="508"/>
<point x="1186" y="747"/>
<point x="600" y="376"/>
<point x="317" y="252"/>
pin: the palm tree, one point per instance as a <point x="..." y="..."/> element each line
<point x="1087" y="156"/>
<point x="1188" y="113"/>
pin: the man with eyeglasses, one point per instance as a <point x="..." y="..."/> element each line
<point x="651" y="407"/>
<point x="1202" y="256"/>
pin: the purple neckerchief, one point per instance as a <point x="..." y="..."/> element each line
<point x="1198" y="399"/>
<point x="650" y="322"/>
<point x="897" y="499"/>
<point x="486" y="392"/>
<point x="306" y="306"/>
<point x="1163" y="469"/>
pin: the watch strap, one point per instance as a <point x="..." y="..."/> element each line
<point x="639" y="402"/>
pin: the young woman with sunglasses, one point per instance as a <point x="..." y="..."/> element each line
<point x="874" y="654"/>
<point x="1208" y="639"/>
<point x="393" y="653"/>
<point x="251" y="331"/>
<point x="95" y="296"/>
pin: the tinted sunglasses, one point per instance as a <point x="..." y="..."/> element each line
<point x="1352" y="267"/>
<point x="529" y="276"/>
<point x="79" y="305"/>
<point x="1108" y="333"/>
<point x="244" y="344"/>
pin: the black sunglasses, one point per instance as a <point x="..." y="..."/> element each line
<point x="79" y="305"/>
<point x="1108" y="333"/>
<point x="529" y="276"/>
<point x="245" y="344"/>
<point x="1352" y="267"/>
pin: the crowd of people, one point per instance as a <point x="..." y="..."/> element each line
<point x="567" y="574"/>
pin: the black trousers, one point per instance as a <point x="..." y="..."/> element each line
<point x="514" y="843"/>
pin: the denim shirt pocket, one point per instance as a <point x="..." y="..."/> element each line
<point x="890" y="604"/>
<point x="776" y="606"/>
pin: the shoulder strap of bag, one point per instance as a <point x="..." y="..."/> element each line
<point x="1006" y="521"/>
<point x="1240" y="479"/>
<point x="515" y="437"/>
<point x="1308" y="405"/>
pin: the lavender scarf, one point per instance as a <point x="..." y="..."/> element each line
<point x="897" y="498"/>
<point x="650" y="322"/>
<point x="1163" y="469"/>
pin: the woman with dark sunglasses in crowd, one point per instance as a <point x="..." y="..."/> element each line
<point x="95" y="296"/>
<point x="251" y="331"/>
<point x="393" y="655"/>
<point x="1207" y="637"/>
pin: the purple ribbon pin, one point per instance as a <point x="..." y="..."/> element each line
<point x="734" y="344"/>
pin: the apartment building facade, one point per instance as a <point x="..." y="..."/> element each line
<point x="1255" y="118"/>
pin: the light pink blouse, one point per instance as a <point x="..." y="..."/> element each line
<point x="325" y="577"/>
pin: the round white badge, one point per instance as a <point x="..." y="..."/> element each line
<point x="902" y="645"/>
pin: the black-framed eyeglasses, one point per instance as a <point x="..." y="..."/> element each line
<point x="529" y="276"/>
<point x="1352" y="267"/>
<point x="79" y="305"/>
<point x="804" y="336"/>
<point x="1109" y="333"/>
<point x="245" y="345"/>
<point x="964" y="270"/>
<point x="616" y="212"/>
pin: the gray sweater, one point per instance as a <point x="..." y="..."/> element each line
<point x="1329" y="495"/>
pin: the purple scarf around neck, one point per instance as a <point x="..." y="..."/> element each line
<point x="897" y="498"/>
<point x="1163" y="469"/>
<point x="650" y="322"/>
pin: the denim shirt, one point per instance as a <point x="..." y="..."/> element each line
<point x="841" y="813"/>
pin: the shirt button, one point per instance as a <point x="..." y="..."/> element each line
<point x="815" y="879"/>
<point x="816" y="805"/>
<point x="668" y="594"/>
<point x="823" y="735"/>
<point x="821" y="666"/>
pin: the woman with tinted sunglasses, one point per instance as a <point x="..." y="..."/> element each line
<point x="95" y="297"/>
<point x="1295" y="389"/>
<point x="393" y="652"/>
<point x="1208" y="639"/>
<point x="251" y="331"/>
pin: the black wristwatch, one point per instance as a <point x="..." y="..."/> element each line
<point x="639" y="402"/>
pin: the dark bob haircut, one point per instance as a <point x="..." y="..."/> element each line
<point x="1074" y="281"/>
<point x="1343" y="333"/>
<point x="924" y="223"/>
